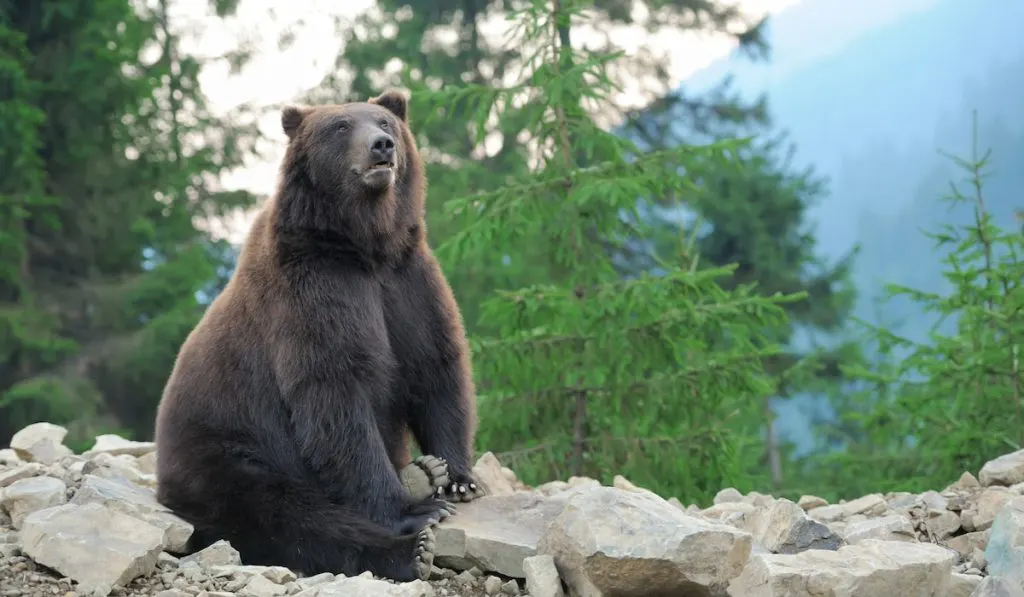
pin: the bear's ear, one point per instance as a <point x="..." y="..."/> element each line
<point x="397" y="102"/>
<point x="291" y="118"/>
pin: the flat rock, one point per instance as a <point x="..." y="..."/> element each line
<point x="135" y="501"/>
<point x="25" y="496"/>
<point x="19" y="472"/>
<point x="495" y="533"/>
<point x="607" y="541"/>
<point x="869" y="505"/>
<point x="115" y="445"/>
<point x="871" y="568"/>
<point x="96" y="546"/>
<point x="894" y="527"/>
<point x="1007" y="469"/>
<point x="368" y="587"/>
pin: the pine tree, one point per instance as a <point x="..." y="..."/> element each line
<point x="104" y="249"/>
<point x="451" y="42"/>
<point x="931" y="409"/>
<point x="657" y="376"/>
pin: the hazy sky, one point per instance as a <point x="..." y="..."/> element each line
<point x="275" y="76"/>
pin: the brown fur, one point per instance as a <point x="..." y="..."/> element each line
<point x="289" y="408"/>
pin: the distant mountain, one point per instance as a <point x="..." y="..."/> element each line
<point x="869" y="92"/>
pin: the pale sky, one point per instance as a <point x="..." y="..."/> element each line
<point x="275" y="76"/>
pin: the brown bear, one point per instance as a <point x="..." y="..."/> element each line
<point x="287" y="414"/>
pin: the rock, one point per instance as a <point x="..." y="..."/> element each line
<point x="368" y="587"/>
<point x="138" y="502"/>
<point x="96" y="546"/>
<point x="495" y="533"/>
<point x="40" y="442"/>
<point x="785" y="528"/>
<point x="489" y="476"/>
<point x="542" y="578"/>
<point x="21" y="471"/>
<point x="728" y="495"/>
<point x="1007" y="469"/>
<point x="941" y="524"/>
<point x="24" y="497"/>
<point x="147" y="463"/>
<point x="115" y="445"/>
<point x="492" y="585"/>
<point x="993" y="586"/>
<point x="261" y="586"/>
<point x="220" y="553"/>
<point x="966" y="482"/>
<point x="962" y="585"/>
<point x="895" y="527"/>
<point x="123" y="466"/>
<point x="871" y="568"/>
<point x="966" y="544"/>
<point x="988" y="504"/>
<point x="1005" y="550"/>
<point x="9" y="457"/>
<point x="607" y="541"/>
<point x="869" y="505"/>
<point x="810" y="502"/>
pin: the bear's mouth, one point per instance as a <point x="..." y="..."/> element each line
<point x="382" y="165"/>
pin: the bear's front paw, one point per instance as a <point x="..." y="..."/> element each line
<point x="462" y="488"/>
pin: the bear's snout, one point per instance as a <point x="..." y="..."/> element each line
<point x="382" y="149"/>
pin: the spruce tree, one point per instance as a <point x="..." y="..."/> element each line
<point x="659" y="375"/>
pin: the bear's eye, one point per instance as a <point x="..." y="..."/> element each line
<point x="342" y="127"/>
<point x="384" y="124"/>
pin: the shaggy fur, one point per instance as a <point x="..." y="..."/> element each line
<point x="288" y="410"/>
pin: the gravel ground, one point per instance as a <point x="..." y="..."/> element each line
<point x="22" y="577"/>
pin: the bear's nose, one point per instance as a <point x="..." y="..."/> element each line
<point x="382" y="148"/>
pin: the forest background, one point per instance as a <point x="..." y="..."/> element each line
<point x="642" y="281"/>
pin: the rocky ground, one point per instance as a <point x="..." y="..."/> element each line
<point x="87" y="524"/>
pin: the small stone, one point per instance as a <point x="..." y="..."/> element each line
<point x="728" y="495"/>
<point x="279" y="574"/>
<point x="465" y="578"/>
<point x="810" y="502"/>
<point x="542" y="578"/>
<point x="492" y="585"/>
<point x="510" y="587"/>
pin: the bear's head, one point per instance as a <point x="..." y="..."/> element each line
<point x="359" y="149"/>
<point x="352" y="168"/>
